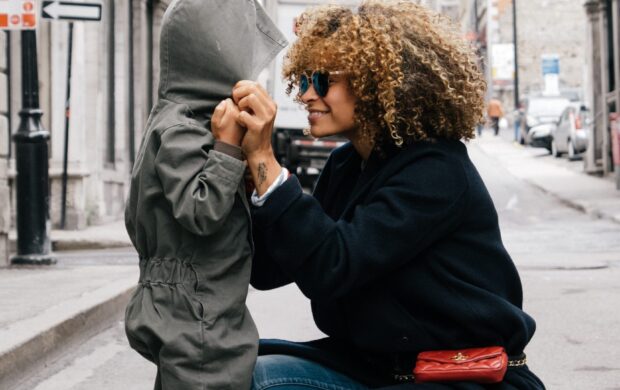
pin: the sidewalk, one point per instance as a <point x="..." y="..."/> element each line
<point x="595" y="196"/>
<point x="111" y="235"/>
<point x="48" y="310"/>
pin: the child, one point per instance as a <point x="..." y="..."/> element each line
<point x="187" y="213"/>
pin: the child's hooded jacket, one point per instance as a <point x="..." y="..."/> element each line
<point x="187" y="213"/>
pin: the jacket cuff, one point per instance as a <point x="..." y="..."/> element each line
<point x="231" y="150"/>
<point x="277" y="203"/>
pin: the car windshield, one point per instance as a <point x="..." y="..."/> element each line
<point x="547" y="107"/>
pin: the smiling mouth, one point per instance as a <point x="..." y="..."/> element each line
<point x="314" y="116"/>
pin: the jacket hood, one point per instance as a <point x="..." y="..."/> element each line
<point x="209" y="45"/>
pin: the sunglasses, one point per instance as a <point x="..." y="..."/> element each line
<point x="319" y="80"/>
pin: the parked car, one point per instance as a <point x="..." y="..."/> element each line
<point x="540" y="110"/>
<point x="540" y="136"/>
<point x="571" y="134"/>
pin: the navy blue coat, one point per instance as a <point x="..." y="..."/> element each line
<point x="400" y="257"/>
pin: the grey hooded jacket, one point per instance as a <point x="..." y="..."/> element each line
<point x="187" y="213"/>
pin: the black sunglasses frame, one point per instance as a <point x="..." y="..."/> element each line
<point x="319" y="80"/>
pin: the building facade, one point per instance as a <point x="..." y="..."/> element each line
<point x="5" y="220"/>
<point x="114" y="76"/>
<point x="603" y="63"/>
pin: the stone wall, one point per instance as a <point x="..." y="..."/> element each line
<point x="550" y="27"/>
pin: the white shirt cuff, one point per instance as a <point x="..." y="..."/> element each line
<point x="258" y="201"/>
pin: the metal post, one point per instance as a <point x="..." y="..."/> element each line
<point x="131" y="119"/>
<point x="516" y="52"/>
<point x="65" y="161"/>
<point x="33" y="221"/>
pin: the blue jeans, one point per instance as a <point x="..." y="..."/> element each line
<point x="282" y="372"/>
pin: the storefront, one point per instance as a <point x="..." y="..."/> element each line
<point x="115" y="69"/>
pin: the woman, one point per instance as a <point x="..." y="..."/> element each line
<point x="399" y="248"/>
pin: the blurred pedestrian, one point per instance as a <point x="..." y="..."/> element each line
<point x="495" y="112"/>
<point x="399" y="248"/>
<point x="518" y="120"/>
<point x="187" y="213"/>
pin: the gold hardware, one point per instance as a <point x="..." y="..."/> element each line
<point x="459" y="357"/>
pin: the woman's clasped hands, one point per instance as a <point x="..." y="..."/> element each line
<point x="247" y="121"/>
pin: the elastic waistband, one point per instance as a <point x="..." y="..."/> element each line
<point x="166" y="271"/>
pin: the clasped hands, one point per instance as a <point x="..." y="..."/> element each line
<point x="247" y="121"/>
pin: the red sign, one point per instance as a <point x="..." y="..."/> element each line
<point x="18" y="15"/>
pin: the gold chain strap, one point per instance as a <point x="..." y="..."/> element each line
<point x="517" y="362"/>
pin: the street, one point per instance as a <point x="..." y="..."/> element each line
<point x="569" y="264"/>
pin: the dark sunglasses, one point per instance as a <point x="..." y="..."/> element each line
<point x="319" y="80"/>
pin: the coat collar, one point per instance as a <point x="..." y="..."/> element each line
<point x="347" y="168"/>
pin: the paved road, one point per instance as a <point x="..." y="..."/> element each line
<point x="569" y="265"/>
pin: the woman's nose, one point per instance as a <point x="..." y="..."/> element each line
<point x="309" y="95"/>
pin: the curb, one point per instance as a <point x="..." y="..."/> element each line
<point x="576" y="205"/>
<point x="34" y="353"/>
<point x="77" y="244"/>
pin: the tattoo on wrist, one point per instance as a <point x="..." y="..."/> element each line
<point x="262" y="173"/>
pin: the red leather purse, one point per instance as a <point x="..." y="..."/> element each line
<point x="480" y="365"/>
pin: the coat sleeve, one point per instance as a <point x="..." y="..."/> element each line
<point x="266" y="273"/>
<point x="329" y="259"/>
<point x="199" y="183"/>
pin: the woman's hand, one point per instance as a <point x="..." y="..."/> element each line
<point x="257" y="115"/>
<point x="224" y="124"/>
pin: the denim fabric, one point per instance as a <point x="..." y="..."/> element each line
<point x="282" y="372"/>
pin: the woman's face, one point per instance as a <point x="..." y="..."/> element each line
<point x="334" y="113"/>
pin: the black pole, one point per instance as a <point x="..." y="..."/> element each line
<point x="131" y="96"/>
<point x="9" y="92"/>
<point x="516" y="52"/>
<point x="31" y="155"/>
<point x="65" y="161"/>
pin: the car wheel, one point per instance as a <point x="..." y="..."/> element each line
<point x="554" y="149"/>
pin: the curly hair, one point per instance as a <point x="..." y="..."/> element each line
<point x="413" y="76"/>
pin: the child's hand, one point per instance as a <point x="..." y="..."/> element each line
<point x="224" y="124"/>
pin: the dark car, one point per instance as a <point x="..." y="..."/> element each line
<point x="541" y="110"/>
<point x="302" y="154"/>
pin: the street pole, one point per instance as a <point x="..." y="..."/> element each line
<point x="65" y="160"/>
<point x="516" y="52"/>
<point x="31" y="155"/>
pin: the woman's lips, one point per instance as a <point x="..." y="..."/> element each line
<point x="314" y="116"/>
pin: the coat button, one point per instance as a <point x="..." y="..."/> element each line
<point x="405" y="339"/>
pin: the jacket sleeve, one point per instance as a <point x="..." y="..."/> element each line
<point x="200" y="183"/>
<point x="266" y="273"/>
<point x="329" y="259"/>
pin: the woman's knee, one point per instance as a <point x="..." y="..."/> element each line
<point x="284" y="372"/>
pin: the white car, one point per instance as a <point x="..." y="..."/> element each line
<point x="570" y="136"/>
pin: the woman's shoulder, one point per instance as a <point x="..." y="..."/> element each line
<point x="431" y="157"/>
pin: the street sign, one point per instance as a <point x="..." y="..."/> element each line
<point x="18" y="15"/>
<point x="68" y="10"/>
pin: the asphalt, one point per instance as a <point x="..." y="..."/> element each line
<point x="48" y="309"/>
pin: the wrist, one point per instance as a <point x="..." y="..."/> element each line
<point x="230" y="140"/>
<point x="266" y="155"/>
<point x="265" y="170"/>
